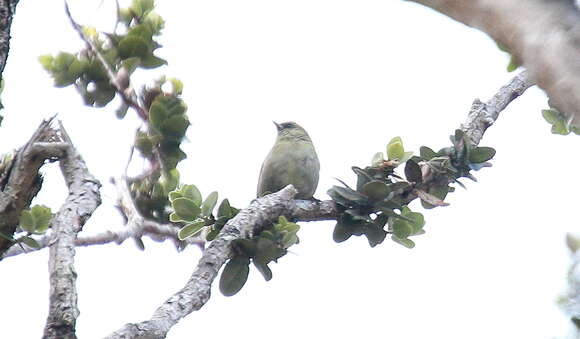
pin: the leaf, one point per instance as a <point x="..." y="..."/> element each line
<point x="26" y="221"/>
<point x="395" y="149"/>
<point x="133" y="46"/>
<point x="192" y="192"/>
<point x="346" y="196"/>
<point x="224" y="210"/>
<point x="375" y="235"/>
<point x="42" y="216"/>
<point x="341" y="232"/>
<point x="413" y="172"/>
<point x="376" y="190"/>
<point x="377" y="160"/>
<point x="29" y="242"/>
<point x="481" y="154"/>
<point x="401" y="229"/>
<point x="208" y="204"/>
<point x="263" y="269"/>
<point x="234" y="275"/>
<point x="430" y="199"/>
<point x="186" y="209"/>
<point x="427" y="153"/>
<point x="190" y="229"/>
<point x="405" y="242"/>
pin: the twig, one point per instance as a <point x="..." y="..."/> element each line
<point x="482" y="115"/>
<point x="126" y="92"/>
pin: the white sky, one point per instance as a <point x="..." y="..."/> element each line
<point x="354" y="74"/>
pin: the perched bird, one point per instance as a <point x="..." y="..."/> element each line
<point x="292" y="160"/>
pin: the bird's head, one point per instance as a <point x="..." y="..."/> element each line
<point x="290" y="129"/>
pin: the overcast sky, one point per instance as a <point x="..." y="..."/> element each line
<point x="354" y="74"/>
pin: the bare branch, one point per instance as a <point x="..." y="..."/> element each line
<point x="542" y="35"/>
<point x="482" y="115"/>
<point x="82" y="200"/>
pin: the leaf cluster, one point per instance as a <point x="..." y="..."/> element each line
<point x="35" y="220"/>
<point x="268" y="246"/>
<point x="196" y="213"/>
<point x="379" y="204"/>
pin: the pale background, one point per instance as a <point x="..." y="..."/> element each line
<point x="354" y="74"/>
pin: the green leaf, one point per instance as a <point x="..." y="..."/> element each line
<point x="224" y="210"/>
<point x="263" y="269"/>
<point x="133" y="46"/>
<point x="174" y="217"/>
<point x="186" y="209"/>
<point x="190" y="229"/>
<point x="26" y="221"/>
<point x="402" y="229"/>
<point x="29" y="242"/>
<point x="439" y="191"/>
<point x="346" y="196"/>
<point x="208" y="204"/>
<point x="42" y="216"/>
<point x="174" y="127"/>
<point x="378" y="159"/>
<point x="244" y="247"/>
<point x="46" y="61"/>
<point x="192" y="192"/>
<point x="427" y="153"/>
<point x="481" y="154"/>
<point x="342" y="231"/>
<point x="375" y="235"/>
<point x="177" y="86"/>
<point x="405" y="242"/>
<point x="234" y="275"/>
<point x="395" y="149"/>
<point x="151" y="61"/>
<point x="376" y="190"/>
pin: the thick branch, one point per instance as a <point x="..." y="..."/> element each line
<point x="82" y="200"/>
<point x="542" y="34"/>
<point x="197" y="290"/>
<point x="20" y="180"/>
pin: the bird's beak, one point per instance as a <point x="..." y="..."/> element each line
<point x="277" y="125"/>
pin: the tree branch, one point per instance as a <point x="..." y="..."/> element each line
<point x="482" y="115"/>
<point x="20" y="180"/>
<point x="197" y="290"/>
<point x="82" y="200"/>
<point x="266" y="210"/>
<point x="542" y="35"/>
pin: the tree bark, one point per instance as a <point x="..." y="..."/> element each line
<point x="82" y="200"/>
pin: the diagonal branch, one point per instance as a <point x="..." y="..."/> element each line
<point x="82" y="200"/>
<point x="264" y="210"/>
<point x="482" y="115"/>
<point x="197" y="290"/>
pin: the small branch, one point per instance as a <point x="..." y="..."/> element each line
<point x="154" y="230"/>
<point x="125" y="91"/>
<point x="197" y="290"/>
<point x="82" y="200"/>
<point x="482" y="115"/>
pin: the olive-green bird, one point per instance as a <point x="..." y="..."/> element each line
<point x="292" y="160"/>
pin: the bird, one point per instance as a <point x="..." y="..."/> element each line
<point x="292" y="160"/>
